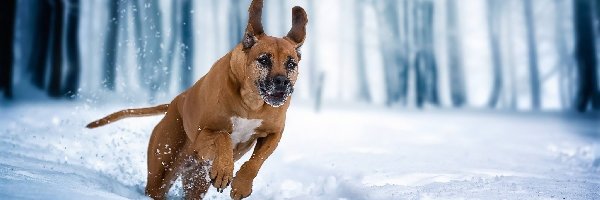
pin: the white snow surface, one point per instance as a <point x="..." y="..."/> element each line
<point x="339" y="153"/>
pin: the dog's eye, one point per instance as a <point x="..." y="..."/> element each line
<point x="264" y="60"/>
<point x="291" y="65"/>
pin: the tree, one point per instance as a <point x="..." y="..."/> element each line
<point x="510" y="66"/>
<point x="56" y="49"/>
<point x="597" y="14"/>
<point x="457" y="83"/>
<point x="363" y="88"/>
<point x="493" y="17"/>
<point x="174" y="45"/>
<point x="426" y="79"/>
<point x="181" y="42"/>
<point x="110" y="45"/>
<point x="395" y="64"/>
<point x="585" y="51"/>
<point x="534" y="77"/>
<point x="425" y="64"/>
<point x="187" y="39"/>
<point x="236" y="28"/>
<point x="73" y="56"/>
<point x="7" y="20"/>
<point x="567" y="76"/>
<point x="216" y="25"/>
<point x="405" y="51"/>
<point x="315" y="76"/>
<point x="154" y="73"/>
<point x="39" y="55"/>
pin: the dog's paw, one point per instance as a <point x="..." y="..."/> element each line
<point x="240" y="188"/>
<point x="221" y="173"/>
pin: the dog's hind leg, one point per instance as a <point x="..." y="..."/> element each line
<point x="166" y="142"/>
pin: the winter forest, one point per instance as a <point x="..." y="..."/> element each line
<point x="516" y="54"/>
<point x="505" y="82"/>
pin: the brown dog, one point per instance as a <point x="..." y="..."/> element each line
<point x="240" y="102"/>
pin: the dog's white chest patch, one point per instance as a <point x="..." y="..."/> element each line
<point x="243" y="129"/>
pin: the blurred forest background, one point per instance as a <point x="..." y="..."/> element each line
<point x="497" y="54"/>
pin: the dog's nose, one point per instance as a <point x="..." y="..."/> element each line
<point x="280" y="80"/>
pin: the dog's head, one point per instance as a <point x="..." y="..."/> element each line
<point x="271" y="64"/>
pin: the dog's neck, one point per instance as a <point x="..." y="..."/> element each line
<point x="250" y="97"/>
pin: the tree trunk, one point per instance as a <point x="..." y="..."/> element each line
<point x="534" y="77"/>
<point x="174" y="44"/>
<point x="511" y="69"/>
<point x="493" y="15"/>
<point x="236" y="27"/>
<point x="312" y="52"/>
<point x="314" y="72"/>
<point x="56" y="69"/>
<point x="389" y="82"/>
<point x="425" y="64"/>
<point x="73" y="56"/>
<point x="217" y="26"/>
<point x="363" y="88"/>
<point x="140" y="41"/>
<point x="419" y="64"/>
<point x="110" y="45"/>
<point x="567" y="75"/>
<point x="457" y="83"/>
<point x="405" y="52"/>
<point x="597" y="14"/>
<point x="596" y="103"/>
<point x="389" y="38"/>
<point x="7" y="20"/>
<point x="37" y="64"/>
<point x="585" y="51"/>
<point x="187" y="38"/>
<point x="154" y="73"/>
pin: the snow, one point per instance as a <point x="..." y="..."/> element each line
<point x="341" y="153"/>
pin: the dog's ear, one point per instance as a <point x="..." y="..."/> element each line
<point x="298" y="31"/>
<point x="254" y="27"/>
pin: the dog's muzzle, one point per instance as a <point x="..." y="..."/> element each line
<point x="275" y="91"/>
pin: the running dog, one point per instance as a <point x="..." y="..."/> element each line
<point x="240" y="103"/>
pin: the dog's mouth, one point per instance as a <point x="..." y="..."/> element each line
<point x="274" y="96"/>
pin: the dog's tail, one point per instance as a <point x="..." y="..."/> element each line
<point x="139" y="112"/>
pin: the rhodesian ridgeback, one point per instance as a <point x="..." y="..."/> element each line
<point x="240" y="103"/>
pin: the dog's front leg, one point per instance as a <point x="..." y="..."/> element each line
<point x="216" y="147"/>
<point x="242" y="183"/>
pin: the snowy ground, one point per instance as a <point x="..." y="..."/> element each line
<point x="359" y="153"/>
